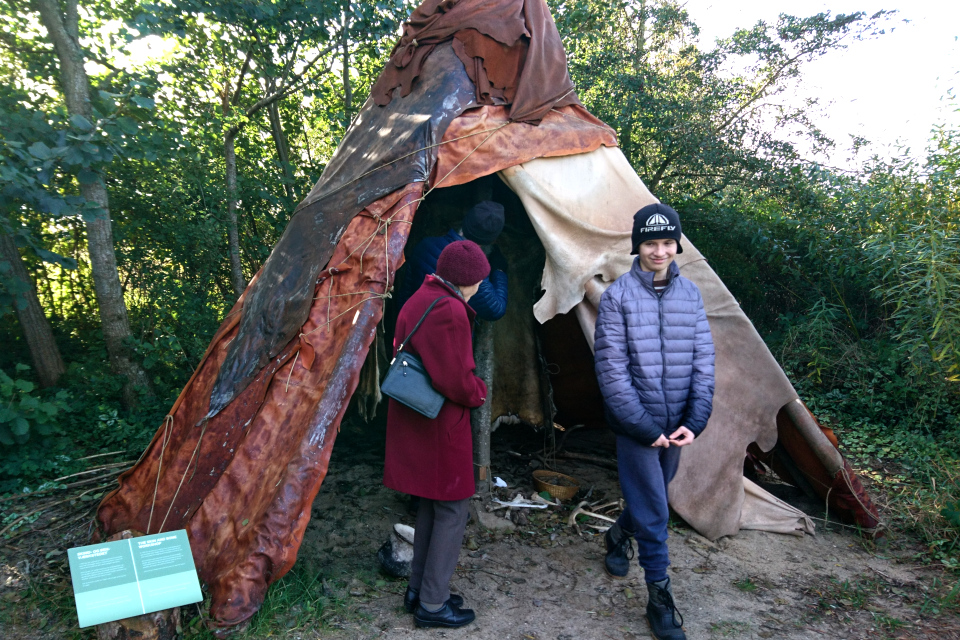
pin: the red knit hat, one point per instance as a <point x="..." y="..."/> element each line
<point x="462" y="263"/>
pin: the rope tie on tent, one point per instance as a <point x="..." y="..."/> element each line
<point x="167" y="423"/>
<point x="826" y="507"/>
<point x="403" y="157"/>
<point x="856" y="497"/>
<point x="286" y="388"/>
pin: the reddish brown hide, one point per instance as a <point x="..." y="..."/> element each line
<point x="483" y="141"/>
<point x="242" y="482"/>
<point x="842" y="491"/>
<point x="510" y="49"/>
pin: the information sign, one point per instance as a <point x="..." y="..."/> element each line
<point x="126" y="578"/>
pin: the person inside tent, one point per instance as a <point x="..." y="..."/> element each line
<point x="654" y="359"/>
<point x="482" y="224"/>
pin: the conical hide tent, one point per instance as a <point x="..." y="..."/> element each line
<point x="473" y="89"/>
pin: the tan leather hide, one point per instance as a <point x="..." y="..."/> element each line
<point x="582" y="207"/>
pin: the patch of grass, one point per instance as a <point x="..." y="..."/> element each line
<point x="888" y="623"/>
<point x="729" y="628"/>
<point x="941" y="597"/>
<point x="913" y="479"/>
<point x="844" y="594"/>
<point x="301" y="601"/>
<point x="46" y="604"/>
<point x="747" y="585"/>
<point x="925" y="502"/>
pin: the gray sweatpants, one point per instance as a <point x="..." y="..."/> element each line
<point x="436" y="547"/>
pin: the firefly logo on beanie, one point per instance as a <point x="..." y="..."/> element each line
<point x="654" y="222"/>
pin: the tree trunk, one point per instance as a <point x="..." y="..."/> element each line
<point x="44" y="353"/>
<point x="283" y="154"/>
<point x="236" y="271"/>
<point x="345" y="47"/>
<point x="63" y="30"/>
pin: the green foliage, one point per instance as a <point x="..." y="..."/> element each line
<point x="23" y="413"/>
<point x="32" y="442"/>
<point x="689" y="124"/>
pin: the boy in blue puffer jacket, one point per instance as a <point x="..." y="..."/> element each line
<point x="654" y="362"/>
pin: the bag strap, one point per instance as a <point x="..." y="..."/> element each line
<point x="417" y="326"/>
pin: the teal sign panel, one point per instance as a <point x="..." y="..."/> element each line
<point x="127" y="578"/>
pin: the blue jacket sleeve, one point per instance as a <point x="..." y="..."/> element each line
<point x="490" y="301"/>
<point x="421" y="261"/>
<point x="612" y="363"/>
<point x="700" y="400"/>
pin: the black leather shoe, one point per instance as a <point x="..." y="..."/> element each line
<point x="619" y="551"/>
<point x="450" y="616"/>
<point x="412" y="598"/>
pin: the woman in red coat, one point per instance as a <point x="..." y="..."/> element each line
<point x="433" y="458"/>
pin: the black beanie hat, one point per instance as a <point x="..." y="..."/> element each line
<point x="653" y="222"/>
<point x="484" y="222"/>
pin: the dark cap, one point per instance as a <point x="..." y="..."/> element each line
<point x="484" y="222"/>
<point x="653" y="222"/>
<point x="462" y="263"/>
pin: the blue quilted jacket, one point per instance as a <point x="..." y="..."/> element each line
<point x="654" y="356"/>
<point x="490" y="302"/>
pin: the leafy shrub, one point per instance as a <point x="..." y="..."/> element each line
<point x="32" y="441"/>
<point x="22" y="413"/>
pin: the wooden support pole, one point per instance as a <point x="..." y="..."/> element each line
<point x="480" y="417"/>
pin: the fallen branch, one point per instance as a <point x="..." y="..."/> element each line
<point x="100" y="455"/>
<point x="104" y="467"/>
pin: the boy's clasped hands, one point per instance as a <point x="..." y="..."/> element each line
<point x="679" y="438"/>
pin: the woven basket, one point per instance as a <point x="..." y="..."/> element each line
<point x="555" y="490"/>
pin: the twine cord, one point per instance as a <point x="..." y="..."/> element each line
<point x="167" y="423"/>
<point x="184" y="476"/>
<point x="395" y="160"/>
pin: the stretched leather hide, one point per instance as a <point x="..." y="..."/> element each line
<point x="385" y="149"/>
<point x="483" y="141"/>
<point x="582" y="208"/>
<point x="242" y="481"/>
<point x="510" y="48"/>
<point x="392" y="143"/>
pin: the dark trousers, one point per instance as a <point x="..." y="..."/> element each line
<point x="645" y="473"/>
<point x="436" y="547"/>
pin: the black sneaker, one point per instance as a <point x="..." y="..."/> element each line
<point x="665" y="620"/>
<point x="449" y="616"/>
<point x="619" y="551"/>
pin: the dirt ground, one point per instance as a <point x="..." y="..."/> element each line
<point x="544" y="580"/>
<point x="534" y="576"/>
